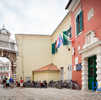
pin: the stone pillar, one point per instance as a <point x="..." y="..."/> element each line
<point x="85" y="74"/>
<point x="14" y="71"/>
<point x="98" y="60"/>
<point x="2" y="52"/>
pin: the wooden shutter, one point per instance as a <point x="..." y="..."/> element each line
<point x="81" y="20"/>
<point x="53" y="48"/>
<point x="77" y="25"/>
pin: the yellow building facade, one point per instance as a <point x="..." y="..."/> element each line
<point x="34" y="51"/>
<point x="63" y="58"/>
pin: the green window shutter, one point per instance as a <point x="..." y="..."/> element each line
<point x="53" y="48"/>
<point x="77" y="25"/>
<point x="81" y="20"/>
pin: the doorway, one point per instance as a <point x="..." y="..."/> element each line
<point x="62" y="74"/>
<point x="92" y="73"/>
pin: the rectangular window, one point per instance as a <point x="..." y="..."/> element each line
<point x="7" y="68"/>
<point x="76" y="60"/>
<point x="0" y="69"/>
<point x="79" y="23"/>
<point x="54" y="49"/>
<point x="90" y="13"/>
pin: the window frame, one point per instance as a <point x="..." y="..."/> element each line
<point x="76" y="14"/>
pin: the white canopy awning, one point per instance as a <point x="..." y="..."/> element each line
<point x="4" y="61"/>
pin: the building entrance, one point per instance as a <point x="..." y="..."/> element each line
<point x="92" y="72"/>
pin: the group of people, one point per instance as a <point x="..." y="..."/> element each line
<point x="7" y="82"/>
<point x="10" y="82"/>
<point x="20" y="83"/>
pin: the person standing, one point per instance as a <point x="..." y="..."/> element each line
<point x="11" y="81"/>
<point x="4" y="83"/>
<point x="21" y="82"/>
<point x="7" y="82"/>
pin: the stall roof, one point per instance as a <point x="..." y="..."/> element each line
<point x="49" y="67"/>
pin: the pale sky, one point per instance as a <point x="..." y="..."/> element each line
<point x="31" y="16"/>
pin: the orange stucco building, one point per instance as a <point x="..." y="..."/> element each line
<point x="86" y="43"/>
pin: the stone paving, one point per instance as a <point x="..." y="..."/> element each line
<point x="47" y="94"/>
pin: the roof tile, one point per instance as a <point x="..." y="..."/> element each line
<point x="49" y="67"/>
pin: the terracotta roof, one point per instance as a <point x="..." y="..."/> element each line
<point x="49" y="67"/>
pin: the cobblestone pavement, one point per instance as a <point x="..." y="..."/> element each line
<point x="47" y="94"/>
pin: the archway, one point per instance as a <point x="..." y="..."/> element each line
<point x="7" y="50"/>
<point x="5" y="67"/>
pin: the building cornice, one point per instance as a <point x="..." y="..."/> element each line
<point x="72" y="4"/>
<point x="31" y="35"/>
<point x="97" y="43"/>
<point x="10" y="50"/>
<point x="68" y="14"/>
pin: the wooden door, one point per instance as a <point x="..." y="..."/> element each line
<point x="92" y="72"/>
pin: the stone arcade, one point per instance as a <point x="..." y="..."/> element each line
<point x="7" y="50"/>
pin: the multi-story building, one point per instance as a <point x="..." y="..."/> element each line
<point x="36" y="51"/>
<point x="7" y="55"/>
<point x="5" y="67"/>
<point x="33" y="53"/>
<point x="86" y="34"/>
<point x="63" y="57"/>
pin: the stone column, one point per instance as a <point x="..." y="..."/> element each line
<point x="14" y="71"/>
<point x="98" y="60"/>
<point x="85" y="74"/>
<point x="2" y="52"/>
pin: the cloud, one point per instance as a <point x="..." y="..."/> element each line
<point x="32" y="16"/>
